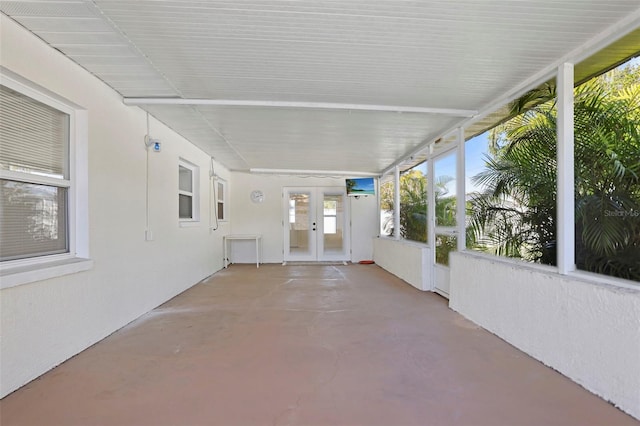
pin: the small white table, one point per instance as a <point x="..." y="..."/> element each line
<point x="227" y="238"/>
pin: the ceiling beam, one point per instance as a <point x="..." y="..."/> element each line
<point x="310" y="105"/>
<point x="325" y="173"/>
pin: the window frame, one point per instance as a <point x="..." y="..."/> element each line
<point x="22" y="271"/>
<point x="427" y="197"/>
<point x="383" y="215"/>
<point x="330" y="216"/>
<point x="194" y="194"/>
<point x="222" y="200"/>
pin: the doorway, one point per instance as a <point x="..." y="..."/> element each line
<point x="315" y="223"/>
<point x="445" y="229"/>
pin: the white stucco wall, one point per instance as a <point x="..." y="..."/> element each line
<point x="589" y="332"/>
<point x="405" y="259"/>
<point x="266" y="218"/>
<point x="45" y="322"/>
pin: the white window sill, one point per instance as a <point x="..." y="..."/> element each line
<point x="582" y="276"/>
<point x="12" y="277"/>
<point x="403" y="241"/>
<point x="189" y="224"/>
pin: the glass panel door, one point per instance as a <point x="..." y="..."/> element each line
<point x="300" y="227"/>
<point x="444" y="187"/>
<point x="332" y="212"/>
<point x="315" y="222"/>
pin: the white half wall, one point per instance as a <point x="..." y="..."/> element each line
<point x="45" y="322"/>
<point x="266" y="218"/>
<point x="587" y="331"/>
<point x="407" y="260"/>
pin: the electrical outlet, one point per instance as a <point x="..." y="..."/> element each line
<point x="148" y="235"/>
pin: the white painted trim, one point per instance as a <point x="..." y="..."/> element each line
<point x="35" y="178"/>
<point x="584" y="276"/>
<point x="184" y="223"/>
<point x="378" y="211"/>
<point x="566" y="176"/>
<point x="313" y="172"/>
<point x="447" y="230"/>
<point x="308" y="105"/>
<point x="461" y="195"/>
<point x="407" y="242"/>
<point x="37" y="92"/>
<point x="38" y="272"/>
<point x="431" y="224"/>
<point x="396" y="203"/>
<point x="421" y="148"/>
<point x="513" y="261"/>
<point x="600" y="279"/>
<point x="81" y="183"/>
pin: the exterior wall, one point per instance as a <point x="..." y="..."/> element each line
<point x="45" y="322"/>
<point x="405" y="259"/>
<point x="266" y="218"/>
<point x="587" y="331"/>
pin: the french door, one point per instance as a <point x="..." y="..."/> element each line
<point x="445" y="229"/>
<point x="315" y="223"/>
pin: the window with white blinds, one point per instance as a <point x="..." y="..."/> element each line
<point x="34" y="177"/>
<point x="188" y="191"/>
<point x="222" y="199"/>
<point x="185" y="193"/>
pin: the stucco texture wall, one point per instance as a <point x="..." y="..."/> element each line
<point x="405" y="259"/>
<point x="589" y="332"/>
<point x="45" y="322"/>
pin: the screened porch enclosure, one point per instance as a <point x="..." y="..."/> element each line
<point x="138" y="137"/>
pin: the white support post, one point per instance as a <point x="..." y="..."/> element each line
<point x="565" y="221"/>
<point x="396" y="203"/>
<point x="431" y="209"/>
<point x="461" y="205"/>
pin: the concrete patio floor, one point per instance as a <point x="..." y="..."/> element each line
<point x="304" y="345"/>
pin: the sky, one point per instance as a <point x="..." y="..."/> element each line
<point x="475" y="150"/>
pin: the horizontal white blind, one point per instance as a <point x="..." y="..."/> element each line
<point x="33" y="220"/>
<point x="34" y="143"/>
<point x="185" y="179"/>
<point x="34" y="137"/>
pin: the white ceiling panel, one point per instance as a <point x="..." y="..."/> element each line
<point x="42" y="25"/>
<point x="438" y="54"/>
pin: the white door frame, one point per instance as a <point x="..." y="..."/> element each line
<point x="315" y="225"/>
<point x="440" y="273"/>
